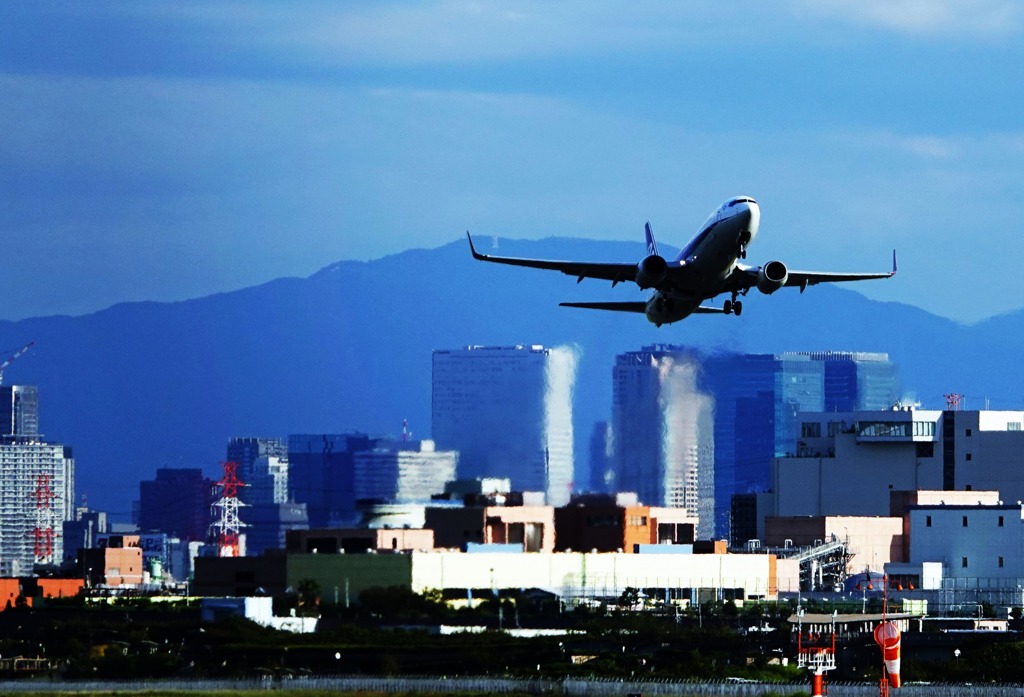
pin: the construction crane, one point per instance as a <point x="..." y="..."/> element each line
<point x="13" y="357"/>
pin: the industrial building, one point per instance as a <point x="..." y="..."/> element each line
<point x="117" y="562"/>
<point x="508" y="412"/>
<point x="606" y="523"/>
<point x="342" y="577"/>
<point x="359" y="540"/>
<point x="529" y="527"/>
<point x="965" y="546"/>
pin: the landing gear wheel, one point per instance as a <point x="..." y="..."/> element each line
<point x="743" y="252"/>
<point x="737" y="308"/>
<point x="727" y="308"/>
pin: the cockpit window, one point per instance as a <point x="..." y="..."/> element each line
<point x="741" y="199"/>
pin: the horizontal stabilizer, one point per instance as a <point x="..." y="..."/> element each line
<point x="637" y="306"/>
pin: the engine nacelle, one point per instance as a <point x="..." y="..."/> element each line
<point x="651" y="272"/>
<point x="771" y="277"/>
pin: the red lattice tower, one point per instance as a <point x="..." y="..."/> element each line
<point x="43" y="532"/>
<point x="227" y="525"/>
<point x="953" y="401"/>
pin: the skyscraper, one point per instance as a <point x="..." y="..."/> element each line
<point x="262" y="467"/>
<point x="177" y="502"/>
<point x="508" y="412"/>
<point x="321" y="474"/>
<point x="758" y="397"/>
<point x="662" y="432"/>
<point x="744" y="408"/>
<point x="19" y="411"/>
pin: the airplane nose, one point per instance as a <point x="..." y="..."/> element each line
<point x="754" y="211"/>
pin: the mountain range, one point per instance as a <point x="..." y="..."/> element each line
<point x="145" y="385"/>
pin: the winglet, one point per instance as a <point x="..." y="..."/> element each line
<point x="476" y="254"/>
<point x="652" y="246"/>
<point x="893" y="263"/>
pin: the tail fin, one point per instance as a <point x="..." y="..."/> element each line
<point x="652" y="246"/>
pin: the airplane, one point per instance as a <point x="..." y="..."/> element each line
<point x="708" y="266"/>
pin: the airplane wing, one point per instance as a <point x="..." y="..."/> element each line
<point x="609" y="271"/>
<point x="640" y="307"/>
<point x="746" y="276"/>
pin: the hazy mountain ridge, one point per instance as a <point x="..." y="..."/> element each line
<point x="142" y="385"/>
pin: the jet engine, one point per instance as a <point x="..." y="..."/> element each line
<point x="771" y="277"/>
<point x="651" y="271"/>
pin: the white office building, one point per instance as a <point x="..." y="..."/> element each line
<point x="403" y="471"/>
<point x="848" y="463"/>
<point x="508" y="412"/>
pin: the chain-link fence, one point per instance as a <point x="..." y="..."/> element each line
<point x="491" y="685"/>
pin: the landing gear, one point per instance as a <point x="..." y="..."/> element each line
<point x="733" y="307"/>
<point x="743" y="251"/>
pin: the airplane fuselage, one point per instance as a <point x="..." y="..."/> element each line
<point x="706" y="262"/>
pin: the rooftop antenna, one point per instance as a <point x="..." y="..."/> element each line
<point x="953" y="401"/>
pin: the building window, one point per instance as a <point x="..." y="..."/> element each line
<point x="928" y="521"/>
<point x="1000" y="521"/>
<point x="810" y="430"/>
<point x="968" y="457"/>
<point x="967" y="433"/>
<point x="1013" y="426"/>
<point x="1000" y="562"/>
<point x="963" y="562"/>
<point x="965" y="521"/>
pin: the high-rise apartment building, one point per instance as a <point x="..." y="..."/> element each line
<point x="662" y="432"/>
<point x="508" y="412"/>
<point x="37" y="483"/>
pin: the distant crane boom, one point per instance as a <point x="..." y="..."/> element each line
<point x="14" y="357"/>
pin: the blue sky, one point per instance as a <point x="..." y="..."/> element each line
<point x="161" y="151"/>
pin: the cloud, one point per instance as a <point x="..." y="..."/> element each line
<point x="956" y="18"/>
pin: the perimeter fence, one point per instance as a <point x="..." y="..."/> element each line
<point x="573" y="687"/>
